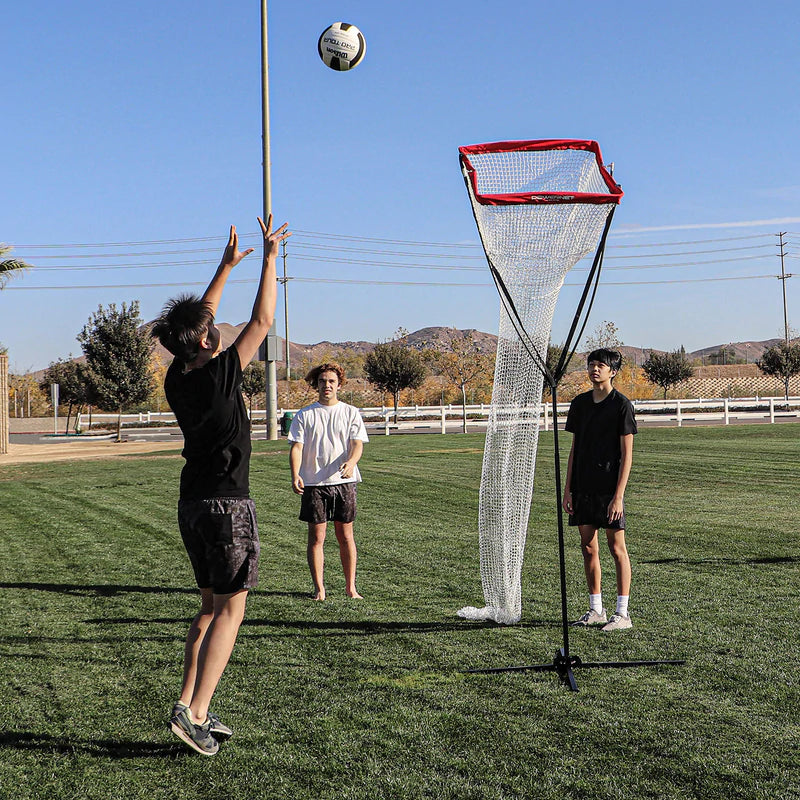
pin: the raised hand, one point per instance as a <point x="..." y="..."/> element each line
<point x="231" y="257"/>
<point x="272" y="239"/>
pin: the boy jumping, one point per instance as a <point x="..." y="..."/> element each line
<point x="603" y="425"/>
<point x="215" y="513"/>
<point x="327" y="441"/>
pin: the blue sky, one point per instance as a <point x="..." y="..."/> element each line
<point x="125" y="125"/>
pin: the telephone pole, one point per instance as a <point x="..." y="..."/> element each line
<point x="783" y="277"/>
<point x="285" y="282"/>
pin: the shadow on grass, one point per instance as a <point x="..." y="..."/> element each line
<point x="77" y="641"/>
<point x="103" y="590"/>
<point x="373" y="628"/>
<point x="335" y="628"/>
<point x="103" y="748"/>
<point x="726" y="561"/>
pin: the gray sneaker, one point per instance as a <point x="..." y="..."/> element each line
<point x="198" y="737"/>
<point x="591" y="617"/>
<point x="219" y="730"/>
<point x="618" y="622"/>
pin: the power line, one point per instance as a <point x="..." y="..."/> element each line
<point x="343" y="237"/>
<point x="383" y="264"/>
<point x="369" y="283"/>
<point x="326" y="248"/>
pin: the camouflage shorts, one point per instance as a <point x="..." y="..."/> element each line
<point x="592" y="509"/>
<point x="221" y="538"/>
<point x="329" y="503"/>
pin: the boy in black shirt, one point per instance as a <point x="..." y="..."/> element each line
<point x="603" y="424"/>
<point x="215" y="513"/>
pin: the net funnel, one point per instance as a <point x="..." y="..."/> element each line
<point x="540" y="207"/>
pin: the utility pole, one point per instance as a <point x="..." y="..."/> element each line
<point x="285" y="282"/>
<point x="783" y="277"/>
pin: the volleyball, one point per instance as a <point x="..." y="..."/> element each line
<point x="342" y="46"/>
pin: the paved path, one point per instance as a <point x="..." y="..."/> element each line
<point x="37" y="453"/>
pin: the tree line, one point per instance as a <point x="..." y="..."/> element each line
<point x="120" y="371"/>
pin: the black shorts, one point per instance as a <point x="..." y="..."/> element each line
<point x="221" y="538"/>
<point x="328" y="503"/>
<point x="592" y="509"/>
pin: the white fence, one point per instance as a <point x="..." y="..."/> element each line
<point x="449" y="418"/>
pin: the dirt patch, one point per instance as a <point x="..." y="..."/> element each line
<point x="69" y="451"/>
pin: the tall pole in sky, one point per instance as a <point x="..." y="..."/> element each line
<point x="783" y="277"/>
<point x="285" y="283"/>
<point x="269" y="362"/>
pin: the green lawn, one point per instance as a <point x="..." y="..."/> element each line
<point x="370" y="699"/>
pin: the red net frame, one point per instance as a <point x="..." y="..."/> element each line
<point x="539" y="196"/>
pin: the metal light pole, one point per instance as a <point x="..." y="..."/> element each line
<point x="269" y="365"/>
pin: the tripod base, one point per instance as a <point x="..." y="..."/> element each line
<point x="563" y="666"/>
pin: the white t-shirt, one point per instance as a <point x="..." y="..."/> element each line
<point x="325" y="433"/>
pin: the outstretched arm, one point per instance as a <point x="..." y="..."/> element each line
<point x="230" y="258"/>
<point x="264" y="306"/>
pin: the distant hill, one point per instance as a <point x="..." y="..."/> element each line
<point x="749" y="351"/>
<point x="422" y="339"/>
<point x="426" y="338"/>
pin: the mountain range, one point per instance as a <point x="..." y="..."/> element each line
<point x="426" y="338"/>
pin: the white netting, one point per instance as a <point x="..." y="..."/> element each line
<point x="532" y="247"/>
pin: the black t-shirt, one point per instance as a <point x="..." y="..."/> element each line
<point x="597" y="428"/>
<point x="210" y="410"/>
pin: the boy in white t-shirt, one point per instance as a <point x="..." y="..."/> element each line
<point x="327" y="441"/>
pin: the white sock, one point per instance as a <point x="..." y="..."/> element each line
<point x="622" y="604"/>
<point x="596" y="603"/>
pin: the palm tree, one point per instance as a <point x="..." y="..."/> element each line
<point x="9" y="265"/>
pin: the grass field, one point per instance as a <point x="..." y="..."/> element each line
<point x="369" y="699"/>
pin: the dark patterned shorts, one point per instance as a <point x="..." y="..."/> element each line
<point x="592" y="509"/>
<point x="333" y="503"/>
<point x="221" y="538"/>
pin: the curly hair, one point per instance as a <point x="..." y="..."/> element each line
<point x="183" y="323"/>
<point x="328" y="366"/>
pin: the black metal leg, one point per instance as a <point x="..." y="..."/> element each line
<point x="564" y="663"/>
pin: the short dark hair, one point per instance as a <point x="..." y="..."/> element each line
<point x="183" y="323"/>
<point x="613" y="358"/>
<point x="328" y="366"/>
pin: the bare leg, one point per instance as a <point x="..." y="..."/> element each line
<point x="619" y="551"/>
<point x="591" y="557"/>
<point x="316" y="556"/>
<point x="349" y="556"/>
<point x="215" y="651"/>
<point x="194" y="639"/>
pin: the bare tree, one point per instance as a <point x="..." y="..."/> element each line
<point x="604" y="335"/>
<point x="460" y="359"/>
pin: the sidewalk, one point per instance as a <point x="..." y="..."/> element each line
<point x="68" y="449"/>
<point x="35" y="425"/>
